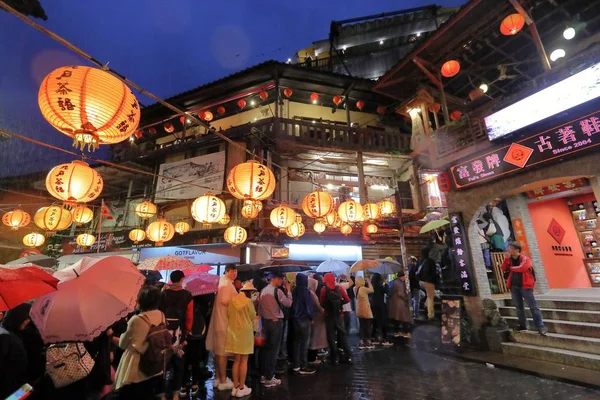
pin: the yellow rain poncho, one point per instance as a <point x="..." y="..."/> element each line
<point x="240" y="333"/>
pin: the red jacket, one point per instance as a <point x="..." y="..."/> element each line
<point x="525" y="267"/>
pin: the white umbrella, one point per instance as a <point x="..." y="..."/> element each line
<point x="92" y="294"/>
<point x="37" y="259"/>
<point x="333" y="266"/>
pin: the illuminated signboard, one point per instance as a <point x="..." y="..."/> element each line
<point x="576" y="135"/>
<point x="561" y="96"/>
<point x="460" y="253"/>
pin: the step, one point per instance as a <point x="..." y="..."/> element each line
<point x="561" y="315"/>
<point x="568" y="357"/>
<point x="563" y="304"/>
<point x="559" y="341"/>
<point x="585" y="329"/>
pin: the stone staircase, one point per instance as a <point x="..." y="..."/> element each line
<point x="573" y="333"/>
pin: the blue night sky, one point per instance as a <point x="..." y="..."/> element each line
<point x="167" y="47"/>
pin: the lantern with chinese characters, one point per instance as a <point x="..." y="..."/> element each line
<point x="146" y="209"/>
<point x="443" y="181"/>
<point x="137" y="235"/>
<point x="317" y="204"/>
<point x="160" y="231"/>
<point x="434" y="108"/>
<point x="381" y="110"/>
<point x="251" y="181"/>
<point x="221" y="110"/>
<point x="386" y="208"/>
<point x="82" y="214"/>
<point x="53" y="218"/>
<point x="85" y="240"/>
<point x="337" y="100"/>
<point x="208" y="209"/>
<point x="350" y="211"/>
<point x="33" y="239"/>
<point x="89" y="105"/>
<point x="251" y="209"/>
<point x="168" y="127"/>
<point x="283" y="216"/>
<point x="454" y="115"/>
<point x="235" y="235"/>
<point x="225" y="220"/>
<point x="287" y="92"/>
<point x="331" y="218"/>
<point x="263" y="95"/>
<point x="75" y="182"/>
<point x="241" y="104"/>
<point x="450" y="68"/>
<point x="295" y="230"/>
<point x="371" y="229"/>
<point x="314" y="97"/>
<point x="346" y="229"/>
<point x="182" y="227"/>
<point x="207" y="116"/>
<point x="360" y="105"/>
<point x="319" y="226"/>
<point x="371" y="211"/>
<point x="16" y="219"/>
<point x="512" y="24"/>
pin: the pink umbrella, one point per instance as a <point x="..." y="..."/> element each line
<point x="92" y="294"/>
<point x="197" y="268"/>
<point x="18" y="266"/>
<point x="166" y="262"/>
<point x="201" y="283"/>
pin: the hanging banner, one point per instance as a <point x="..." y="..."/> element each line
<point x="205" y="173"/>
<point x="461" y="255"/>
<point x="108" y="242"/>
<point x="520" y="236"/>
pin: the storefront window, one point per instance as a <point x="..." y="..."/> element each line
<point x="432" y="196"/>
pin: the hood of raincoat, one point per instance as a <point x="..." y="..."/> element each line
<point x="240" y="301"/>
<point x="329" y="280"/>
<point x="313" y="284"/>
<point x="359" y="281"/>
<point x="301" y="280"/>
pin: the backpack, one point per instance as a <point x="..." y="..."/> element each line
<point x="154" y="359"/>
<point x="174" y="305"/>
<point x="333" y="301"/>
<point x="68" y="363"/>
<point x="199" y="323"/>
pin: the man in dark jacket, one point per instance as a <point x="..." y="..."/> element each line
<point x="332" y="298"/>
<point x="302" y="318"/>
<point x="428" y="277"/>
<point x="415" y="286"/>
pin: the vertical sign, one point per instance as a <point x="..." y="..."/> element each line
<point x="461" y="254"/>
<point x="520" y="236"/>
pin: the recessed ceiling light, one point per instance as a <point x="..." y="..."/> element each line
<point x="569" y="33"/>
<point x="557" y="54"/>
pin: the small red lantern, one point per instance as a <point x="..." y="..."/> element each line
<point x="512" y="24"/>
<point x="152" y="131"/>
<point x="182" y="119"/>
<point x="287" y="92"/>
<point x="314" y="97"/>
<point x="381" y="110"/>
<point x="337" y="100"/>
<point x="263" y="95"/>
<point x="450" y="68"/>
<point x="169" y="127"/>
<point x="221" y="110"/>
<point x="241" y="104"/>
<point x="434" y="108"/>
<point x="443" y="181"/>
<point x="207" y="116"/>
<point x="138" y="134"/>
<point x="454" y="115"/>
<point x="360" y="104"/>
<point x="475" y="94"/>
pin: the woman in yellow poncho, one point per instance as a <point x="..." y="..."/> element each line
<point x="240" y="337"/>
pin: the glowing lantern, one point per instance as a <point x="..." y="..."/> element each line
<point x="152" y="131"/>
<point x="16" y="219"/>
<point x="381" y="110"/>
<point x="160" y="231"/>
<point x="33" y="240"/>
<point x="146" y="210"/>
<point x="182" y="227"/>
<point x="319" y="227"/>
<point x="82" y="214"/>
<point x="225" y="220"/>
<point x="138" y="134"/>
<point x="208" y="209"/>
<point x="317" y="204"/>
<point x="372" y="228"/>
<point x="360" y="104"/>
<point x="370" y="211"/>
<point x="337" y="100"/>
<point x="386" y="208"/>
<point x="53" y="218"/>
<point x="251" y="209"/>
<point x="450" y="68"/>
<point x="85" y="240"/>
<point x="207" y="116"/>
<point x="251" y="181"/>
<point x="287" y="92"/>
<point x="263" y="95"/>
<point x="314" y="97"/>
<point x="221" y="110"/>
<point x="298" y="218"/>
<point x="332" y="218"/>
<point x="235" y="235"/>
<point x="475" y="94"/>
<point x="434" y="108"/>
<point x="443" y="181"/>
<point x="295" y="230"/>
<point x="89" y="105"/>
<point x="168" y="127"/>
<point x="454" y="115"/>
<point x="350" y="211"/>
<point x="241" y="104"/>
<point x="283" y="216"/>
<point x="512" y="24"/>
<point x="74" y="182"/>
<point x="346" y="229"/>
<point x="137" y="235"/>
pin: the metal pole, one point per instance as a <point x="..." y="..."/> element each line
<point x="362" y="190"/>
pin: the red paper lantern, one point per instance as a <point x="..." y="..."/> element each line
<point x="241" y="104"/>
<point x="314" y="97"/>
<point x="454" y="115"/>
<point x="182" y="119"/>
<point x="512" y="24"/>
<point x="263" y="95"/>
<point x="434" y="108"/>
<point x="287" y="92"/>
<point x="360" y="104"/>
<point x="152" y="131"/>
<point x="443" y="181"/>
<point x="450" y="68"/>
<point x="221" y="110"/>
<point x="381" y="110"/>
<point x="475" y="94"/>
<point x="337" y="100"/>
<point x="207" y="116"/>
<point x="138" y="134"/>
<point x="169" y="127"/>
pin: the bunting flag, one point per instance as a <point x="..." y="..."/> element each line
<point x="106" y="211"/>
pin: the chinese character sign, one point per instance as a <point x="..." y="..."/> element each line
<point x="520" y="236"/>
<point x="461" y="255"/>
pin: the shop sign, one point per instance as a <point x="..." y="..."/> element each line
<point x="111" y="241"/>
<point x="557" y="188"/>
<point x="520" y="236"/>
<point x="451" y="318"/>
<point x="209" y="254"/>
<point x="460" y="251"/>
<point x="280" y="252"/>
<point x="572" y="137"/>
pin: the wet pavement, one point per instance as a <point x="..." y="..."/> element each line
<point x="404" y="372"/>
